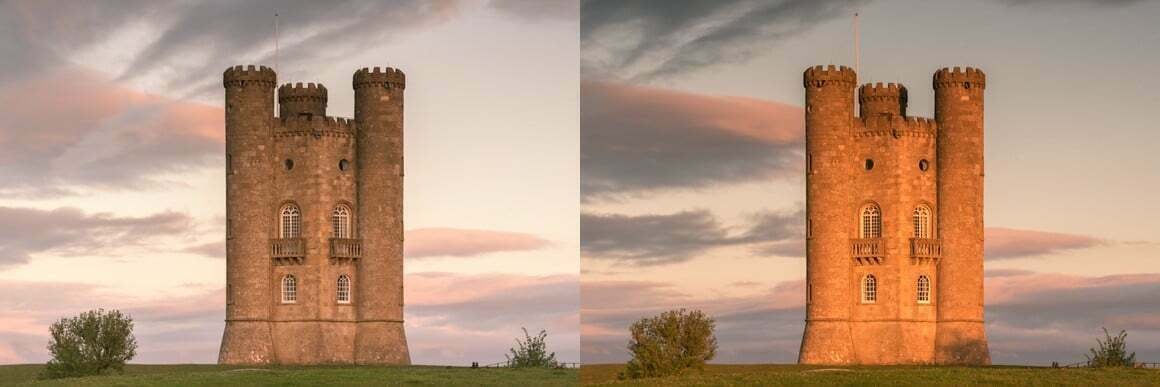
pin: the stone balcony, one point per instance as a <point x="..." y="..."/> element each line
<point x="286" y="251"/>
<point x="868" y="251"/>
<point x="345" y="248"/>
<point x="925" y="250"/>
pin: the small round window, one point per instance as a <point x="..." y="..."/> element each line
<point x="869" y="164"/>
<point x="289" y="164"/>
<point x="923" y="164"/>
<point x="343" y="165"/>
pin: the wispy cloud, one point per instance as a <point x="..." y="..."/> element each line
<point x="672" y="238"/>
<point x="457" y="242"/>
<point x="71" y="231"/>
<point x="645" y="40"/>
<point x="636" y="140"/>
<point x="1009" y="243"/>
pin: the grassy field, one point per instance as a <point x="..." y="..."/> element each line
<point x="795" y="375"/>
<point x="215" y="375"/>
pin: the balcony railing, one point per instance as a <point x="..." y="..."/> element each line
<point x="288" y="250"/>
<point x="924" y="250"/>
<point x="345" y="248"/>
<point x="866" y="251"/>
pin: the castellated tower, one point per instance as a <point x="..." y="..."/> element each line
<point x="894" y="240"/>
<point x="314" y="208"/>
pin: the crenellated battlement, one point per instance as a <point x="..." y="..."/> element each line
<point x="878" y="91"/>
<point x="960" y="77"/>
<point x="244" y="75"/>
<point x="896" y="126"/>
<point x="386" y="77"/>
<point x="299" y="92"/>
<point x="819" y="76"/>
<point x="307" y="124"/>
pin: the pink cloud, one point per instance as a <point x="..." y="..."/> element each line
<point x="457" y="242"/>
<point x="72" y="126"/>
<point x="1009" y="243"/>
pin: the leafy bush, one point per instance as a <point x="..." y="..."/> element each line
<point x="670" y="343"/>
<point x="91" y="343"/>
<point x="532" y="352"/>
<point x="1112" y="352"/>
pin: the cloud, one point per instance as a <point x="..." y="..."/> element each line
<point x="762" y="326"/>
<point x="70" y="231"/>
<point x="215" y="249"/>
<point x="1037" y="318"/>
<point x="1032" y="318"/>
<point x="72" y="128"/>
<point x="1090" y="3"/>
<point x="535" y="10"/>
<point x="1009" y="243"/>
<point x="672" y="238"/>
<point x="644" y="40"/>
<point x="188" y="44"/>
<point x="458" y="242"/>
<point x="451" y="318"/>
<point x="635" y="140"/>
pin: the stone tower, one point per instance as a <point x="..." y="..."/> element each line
<point x="894" y="240"/>
<point x="314" y="229"/>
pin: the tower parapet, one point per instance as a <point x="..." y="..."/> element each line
<point x="960" y="77"/>
<point x="389" y="77"/>
<point x="819" y="76"/>
<point x="296" y="99"/>
<point x="878" y="98"/>
<point x="243" y="76"/>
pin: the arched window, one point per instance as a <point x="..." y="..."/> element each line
<point x="871" y="222"/>
<point x="869" y="289"/>
<point x="921" y="222"/>
<point x="291" y="222"/>
<point x="289" y="289"/>
<point x="340" y="222"/>
<point x="343" y="289"/>
<point x="923" y="290"/>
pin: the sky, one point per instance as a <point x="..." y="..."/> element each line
<point x="112" y="169"/>
<point x="692" y="142"/>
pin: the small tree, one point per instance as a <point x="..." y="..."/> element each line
<point x="91" y="343"/>
<point x="532" y="352"/>
<point x="670" y="343"/>
<point x="1112" y="352"/>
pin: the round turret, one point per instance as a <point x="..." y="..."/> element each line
<point x="244" y="75"/>
<point x="300" y="99"/>
<point x="389" y="78"/>
<point x="878" y="98"/>
<point x="967" y="78"/>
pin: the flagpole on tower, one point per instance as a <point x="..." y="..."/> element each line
<point x="275" y="42"/>
<point x="857" y="46"/>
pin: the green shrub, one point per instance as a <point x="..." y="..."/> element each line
<point x="1112" y="352"/>
<point x="532" y="352"/>
<point x="670" y="343"/>
<point x="91" y="343"/>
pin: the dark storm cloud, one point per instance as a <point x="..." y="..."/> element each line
<point x="70" y="231"/>
<point x="635" y="140"/>
<point x="672" y="238"/>
<point x="651" y="39"/>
